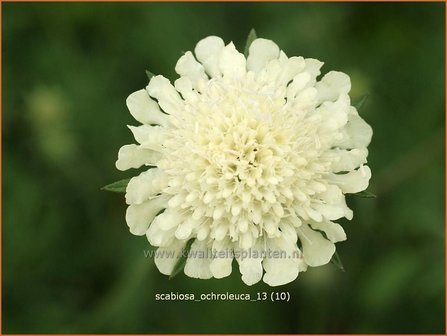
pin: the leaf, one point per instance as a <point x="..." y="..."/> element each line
<point x="118" y="186"/>
<point x="365" y="194"/>
<point x="337" y="262"/>
<point x="149" y="74"/>
<point x="359" y="104"/>
<point x="180" y="265"/>
<point x="250" y="38"/>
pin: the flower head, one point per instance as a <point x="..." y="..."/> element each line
<point x="250" y="156"/>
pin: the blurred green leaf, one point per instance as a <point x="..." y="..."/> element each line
<point x="149" y="75"/>
<point x="118" y="186"/>
<point x="250" y="38"/>
<point x="364" y="194"/>
<point x="180" y="265"/>
<point x="54" y="145"/>
<point x="336" y="260"/>
<point x="361" y="101"/>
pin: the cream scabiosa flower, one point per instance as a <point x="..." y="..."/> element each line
<point x="248" y="155"/>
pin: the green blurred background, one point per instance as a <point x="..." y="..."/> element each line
<point x="69" y="262"/>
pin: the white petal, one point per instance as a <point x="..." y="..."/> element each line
<point x="184" y="86"/>
<point x="299" y="83"/>
<point x="269" y="75"/>
<point x="221" y="265"/>
<point x="170" y="219"/>
<point x="356" y="133"/>
<point x="133" y="156"/>
<point x="335" y="114"/>
<point x="359" y="131"/>
<point x="333" y="212"/>
<point x="168" y="98"/>
<point x="208" y="53"/>
<point x="260" y="52"/>
<point x="145" y="110"/>
<point x="313" y="67"/>
<point x="141" y="133"/>
<point x="334" y="204"/>
<point x="250" y="263"/>
<point x="282" y="270"/>
<point x="306" y="99"/>
<point x="354" y="181"/>
<point x="198" y="262"/>
<point x="317" y="250"/>
<point x="282" y="56"/>
<point x="150" y="137"/>
<point x="246" y="240"/>
<point x="232" y="62"/>
<point x="347" y="160"/>
<point x="158" y="237"/>
<point x="332" y="85"/>
<point x="187" y="66"/>
<point x="333" y="231"/>
<point x="140" y="216"/>
<point x="166" y="257"/>
<point x="288" y="231"/>
<point x="145" y="186"/>
<point x="184" y="230"/>
<point x="290" y="68"/>
<point x="332" y="195"/>
<point x="313" y="214"/>
<point x="161" y="231"/>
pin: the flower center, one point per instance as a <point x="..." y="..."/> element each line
<point x="234" y="159"/>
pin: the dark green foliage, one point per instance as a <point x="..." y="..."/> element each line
<point x="118" y="186"/>
<point x="180" y="265"/>
<point x="70" y="264"/>
<point x="250" y="38"/>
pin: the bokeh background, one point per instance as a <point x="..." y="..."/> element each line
<point x="69" y="262"/>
